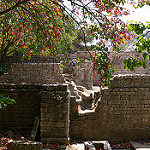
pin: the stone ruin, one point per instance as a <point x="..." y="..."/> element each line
<point x="70" y="106"/>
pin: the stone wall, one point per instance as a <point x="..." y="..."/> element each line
<point x="20" y="117"/>
<point x="118" y="63"/>
<point x="55" y="108"/>
<point x="122" y="113"/>
<point x="50" y="101"/>
<point x="38" y="90"/>
<point x="83" y="75"/>
<point x="33" y="73"/>
<point x="117" y="60"/>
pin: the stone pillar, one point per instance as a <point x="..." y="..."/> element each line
<point x="55" y="108"/>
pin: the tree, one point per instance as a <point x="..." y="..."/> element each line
<point x="36" y="27"/>
<point x="142" y="46"/>
<point x="79" y="40"/>
<point x="31" y="27"/>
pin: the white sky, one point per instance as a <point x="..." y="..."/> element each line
<point x="139" y="14"/>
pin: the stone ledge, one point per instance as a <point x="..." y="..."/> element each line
<point x="56" y="140"/>
<point x="46" y="87"/>
<point x="24" y="145"/>
<point x="20" y="86"/>
<point x="130" y="80"/>
<point x="94" y="145"/>
<point x="54" y="87"/>
<point x="139" y="146"/>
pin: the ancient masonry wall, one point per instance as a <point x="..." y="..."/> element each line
<point x="49" y="101"/>
<point x="45" y="59"/>
<point x="83" y="75"/>
<point x="33" y="73"/>
<point x="37" y="92"/>
<point x="122" y="113"/>
<point x="55" y="111"/>
<point x="20" y="117"/>
<point x="117" y="60"/>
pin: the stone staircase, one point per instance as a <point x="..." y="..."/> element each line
<point x="87" y="100"/>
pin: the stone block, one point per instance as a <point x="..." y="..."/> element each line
<point x="65" y="140"/>
<point x="59" y="124"/>
<point x="24" y="145"/>
<point x="94" y="145"/>
<point x="140" y="146"/>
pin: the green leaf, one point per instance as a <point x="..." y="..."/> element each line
<point x="148" y="26"/>
<point x="129" y="27"/>
<point x="144" y="64"/>
<point x="140" y="37"/>
<point x="129" y="63"/>
<point x="131" y="68"/>
<point x="4" y="101"/>
<point x="125" y="61"/>
<point x="145" y="56"/>
<point x="125" y="67"/>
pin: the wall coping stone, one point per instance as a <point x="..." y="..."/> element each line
<point x="49" y="87"/>
<point x="130" y="81"/>
<point x="65" y="140"/>
<point x="54" y="87"/>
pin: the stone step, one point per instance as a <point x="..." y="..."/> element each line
<point x="76" y="147"/>
<point x="97" y="145"/>
<point x="121" y="149"/>
<point x="67" y="77"/>
<point x="140" y="146"/>
<point x="89" y="99"/>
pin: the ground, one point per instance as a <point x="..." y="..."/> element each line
<point x="115" y="145"/>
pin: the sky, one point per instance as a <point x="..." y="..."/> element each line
<point x="139" y="14"/>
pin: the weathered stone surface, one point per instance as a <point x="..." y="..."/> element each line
<point x="83" y="75"/>
<point x="56" y="140"/>
<point x="139" y="146"/>
<point x="94" y="145"/>
<point x="121" y="113"/>
<point x="88" y="98"/>
<point x="24" y="145"/>
<point x="33" y="73"/>
<point x="19" y="117"/>
<point x="55" y="109"/>
<point x="89" y="146"/>
<point x="129" y="81"/>
<point x="10" y="134"/>
<point x="35" y="128"/>
<point x="76" y="147"/>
